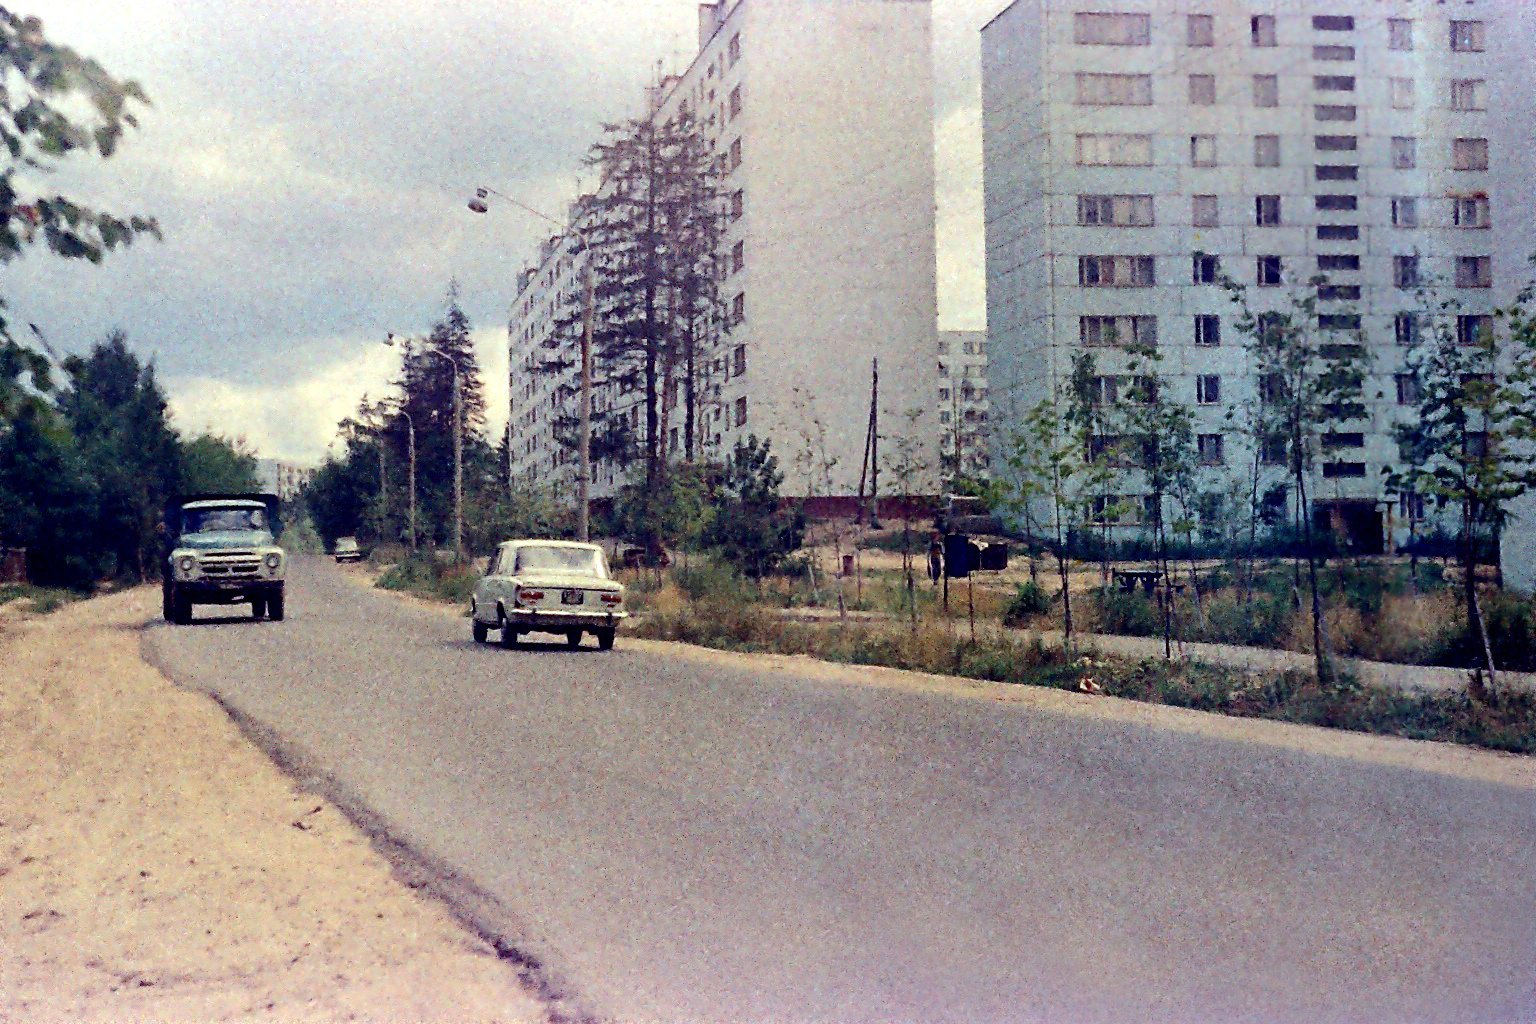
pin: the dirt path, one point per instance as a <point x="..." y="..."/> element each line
<point x="155" y="866"/>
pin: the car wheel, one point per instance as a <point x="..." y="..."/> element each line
<point x="605" y="639"/>
<point x="508" y="634"/>
<point x="258" y="607"/>
<point x="573" y="638"/>
<point x="275" y="607"/>
<point x="479" y="629"/>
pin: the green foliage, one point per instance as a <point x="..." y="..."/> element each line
<point x="749" y="526"/>
<point x="1131" y="614"/>
<point x="217" y="465"/>
<point x="1030" y="601"/>
<point x="48" y="501"/>
<point x="39" y="600"/>
<point x="299" y="534"/>
<point x="425" y="575"/>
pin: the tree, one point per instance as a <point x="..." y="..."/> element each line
<point x="217" y="465"/>
<point x="55" y="104"/>
<point x="653" y="234"/>
<point x="909" y="471"/>
<point x="750" y="527"/>
<point x="1310" y="369"/>
<point x="117" y="413"/>
<point x="1468" y="445"/>
<point x="47" y="500"/>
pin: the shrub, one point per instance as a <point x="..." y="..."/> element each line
<point x="1128" y="614"/>
<point x="425" y="576"/>
<point x="1030" y="600"/>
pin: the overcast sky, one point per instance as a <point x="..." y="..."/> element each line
<point x="309" y="161"/>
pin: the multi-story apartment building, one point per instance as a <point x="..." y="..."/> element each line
<point x="1136" y="150"/>
<point x="820" y="116"/>
<point x="963" y="408"/>
<point x="283" y="479"/>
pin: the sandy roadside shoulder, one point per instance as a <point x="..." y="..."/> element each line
<point x="154" y="865"/>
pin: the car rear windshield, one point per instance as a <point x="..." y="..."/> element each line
<point x="583" y="561"/>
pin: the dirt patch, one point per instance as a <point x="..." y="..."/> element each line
<point x="155" y="865"/>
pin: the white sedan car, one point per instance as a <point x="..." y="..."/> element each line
<point x="548" y="586"/>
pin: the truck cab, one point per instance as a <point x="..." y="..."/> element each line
<point x="222" y="549"/>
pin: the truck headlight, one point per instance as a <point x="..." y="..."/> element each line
<point x="187" y="563"/>
<point x="274" y="560"/>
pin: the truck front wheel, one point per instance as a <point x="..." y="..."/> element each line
<point x="181" y="609"/>
<point x="275" y="606"/>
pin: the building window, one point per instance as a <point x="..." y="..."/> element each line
<point x="1335" y="202"/>
<point x="1338" y="322"/>
<point x="1405" y="271"/>
<point x="738" y="308"/>
<point x="1202" y="90"/>
<point x="1116" y="271"/>
<point x="1261" y="27"/>
<point x="1338" y="232"/>
<point x="1339" y="440"/>
<point x="1333" y="112"/>
<point x="739" y="358"/>
<point x="1207" y="330"/>
<point x="1212" y="449"/>
<point x="741" y="412"/>
<point x="1206" y="268"/>
<point x="1469" y="94"/>
<point x="1104" y="331"/>
<point x="735" y="158"/>
<point x="1468" y="37"/>
<point x="1205" y="212"/>
<point x="1470" y="154"/>
<point x="1405" y="152"/>
<point x="1333" y="23"/>
<point x="1271" y="271"/>
<point x="1114" y="90"/>
<point x="1333" y="83"/>
<point x="1266" y="151"/>
<point x="738" y="204"/>
<point x="1333" y="53"/>
<point x="1338" y="292"/>
<point x="1266" y="91"/>
<point x="1266" y="211"/>
<point x="1202" y="150"/>
<point x="1343" y="470"/>
<point x="1474" y="271"/>
<point x="1405" y="212"/>
<point x="1405" y="329"/>
<point x="1470" y="212"/>
<point x="738" y="257"/>
<point x="1407" y="388"/>
<point x="733" y="49"/>
<point x="1094" y="29"/>
<point x="1402" y="93"/>
<point x="1114" y="150"/>
<point x="1208" y="388"/>
<point x="1200" y="30"/>
<point x="1328" y="264"/>
<point x="1335" y="143"/>
<point x="1116" y="211"/>
<point x="1410" y="505"/>
<point x="1474" y="329"/>
<point x="1399" y="34"/>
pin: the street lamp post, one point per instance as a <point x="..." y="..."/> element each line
<point x="410" y="447"/>
<point x="584" y="446"/>
<point x="458" y="454"/>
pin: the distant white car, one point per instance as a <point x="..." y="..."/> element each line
<point x="548" y="586"/>
<point x="347" y="550"/>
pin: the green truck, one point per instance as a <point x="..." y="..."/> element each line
<point x="222" y="549"/>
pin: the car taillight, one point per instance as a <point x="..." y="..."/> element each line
<point x="529" y="595"/>
<point x="613" y="599"/>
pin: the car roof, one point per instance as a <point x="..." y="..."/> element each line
<point x="225" y="503"/>
<point x="580" y="545"/>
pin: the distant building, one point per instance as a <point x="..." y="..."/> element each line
<point x="963" y="408"/>
<point x="283" y="479"/>
<point x="1136" y="150"/>
<point x="820" y="115"/>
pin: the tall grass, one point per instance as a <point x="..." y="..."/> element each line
<point x="424" y="575"/>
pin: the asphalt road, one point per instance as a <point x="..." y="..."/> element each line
<point x="688" y="841"/>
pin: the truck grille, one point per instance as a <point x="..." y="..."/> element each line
<point x="227" y="565"/>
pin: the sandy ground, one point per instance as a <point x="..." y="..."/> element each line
<point x="154" y="865"/>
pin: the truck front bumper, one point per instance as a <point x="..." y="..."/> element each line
<point x="215" y="591"/>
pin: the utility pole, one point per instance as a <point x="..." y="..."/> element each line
<point x="458" y="466"/>
<point x="411" y="448"/>
<point x="874" y="445"/>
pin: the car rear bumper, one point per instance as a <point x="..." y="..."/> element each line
<point x="531" y="620"/>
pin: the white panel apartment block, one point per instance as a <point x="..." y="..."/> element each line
<point x="833" y="129"/>
<point x="1206" y="109"/>
<point x="963" y="408"/>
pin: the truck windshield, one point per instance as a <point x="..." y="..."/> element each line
<point x="582" y="561"/>
<point x="216" y="520"/>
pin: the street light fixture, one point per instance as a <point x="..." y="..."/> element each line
<point x="478" y="204"/>
<point x="458" y="456"/>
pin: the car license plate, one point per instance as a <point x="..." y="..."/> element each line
<point x="572" y="596"/>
